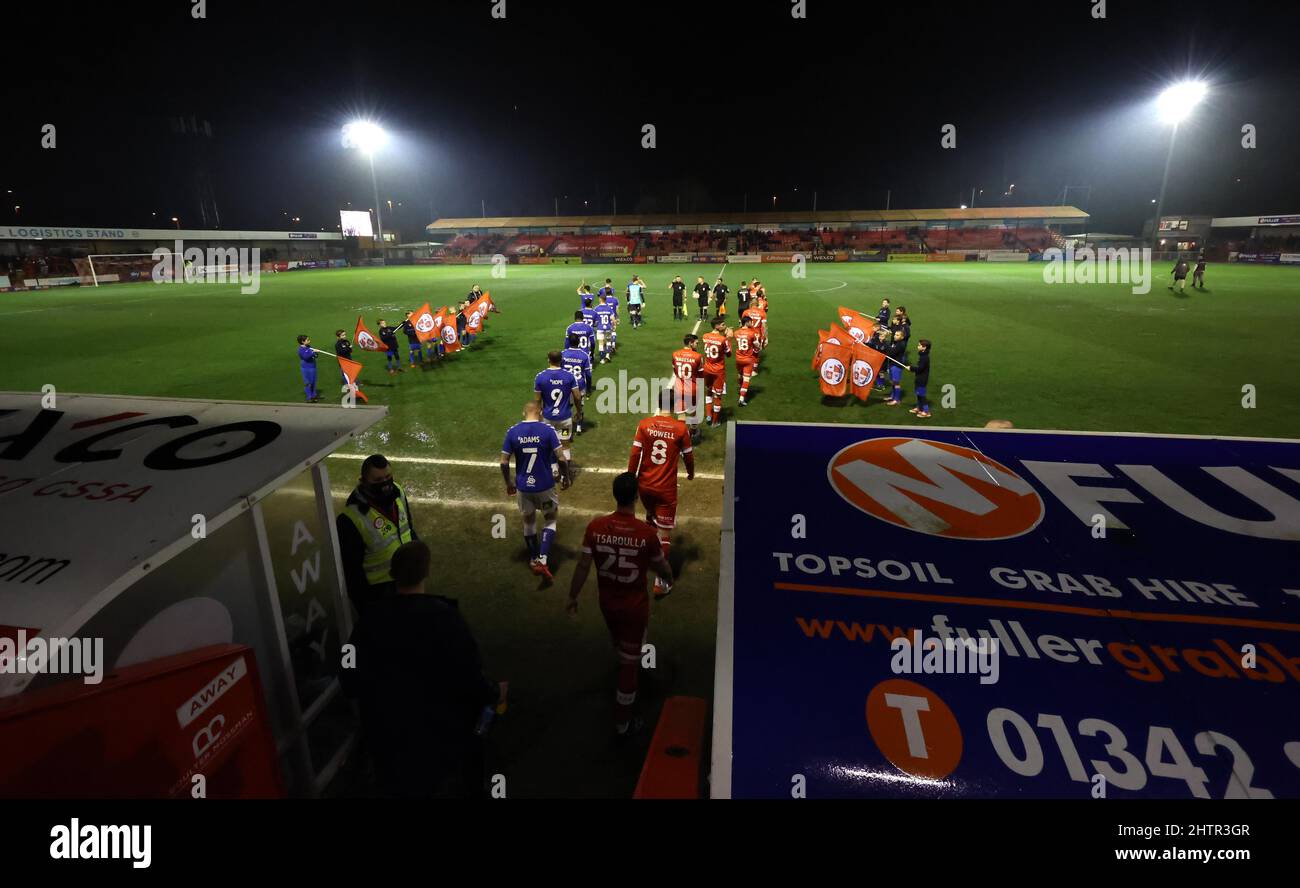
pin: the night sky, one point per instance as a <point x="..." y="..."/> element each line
<point x="550" y="103"/>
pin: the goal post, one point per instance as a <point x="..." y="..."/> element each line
<point x="114" y="265"/>
<point x="220" y="265"/>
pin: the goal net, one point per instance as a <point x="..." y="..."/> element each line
<point x="107" y="268"/>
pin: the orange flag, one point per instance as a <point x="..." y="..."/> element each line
<point x="351" y="370"/>
<point x="426" y="326"/>
<point x="475" y="313"/>
<point x="365" y="340"/>
<point x="834" y="370"/>
<point x="822" y="336"/>
<point x="838" y="336"/>
<point x="858" y="325"/>
<point x="447" y="330"/>
<point x="864" y="369"/>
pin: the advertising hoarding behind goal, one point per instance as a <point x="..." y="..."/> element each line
<point x="1132" y="602"/>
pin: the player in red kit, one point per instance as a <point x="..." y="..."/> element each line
<point x="660" y="441"/>
<point x="716" y="349"/>
<point x="748" y="341"/>
<point x="625" y="550"/>
<point x="688" y="371"/>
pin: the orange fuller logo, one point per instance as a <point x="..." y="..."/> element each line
<point x="935" y="488"/>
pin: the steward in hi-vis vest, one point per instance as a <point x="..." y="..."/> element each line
<point x="373" y="524"/>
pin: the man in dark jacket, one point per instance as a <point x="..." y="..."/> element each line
<point x="922" y="370"/>
<point x="415" y="668"/>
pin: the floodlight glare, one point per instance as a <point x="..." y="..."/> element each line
<point x="363" y="134"/>
<point x="1177" y="101"/>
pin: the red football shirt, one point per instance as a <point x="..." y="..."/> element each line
<point x="659" y="442"/>
<point x="621" y="547"/>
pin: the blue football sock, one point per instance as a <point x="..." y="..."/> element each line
<point x="548" y="534"/>
<point x="531" y="541"/>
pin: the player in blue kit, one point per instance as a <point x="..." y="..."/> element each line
<point x="588" y="313"/>
<point x="307" y="363"/>
<point x="611" y="299"/>
<point x="584" y="331"/>
<point x="584" y="294"/>
<point x="577" y="361"/>
<point x="559" y="394"/>
<point x="534" y="445"/>
<point x="604" y="330"/>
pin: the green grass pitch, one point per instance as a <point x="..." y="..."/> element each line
<point x="1088" y="357"/>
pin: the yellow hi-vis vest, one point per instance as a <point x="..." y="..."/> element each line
<point x="381" y="536"/>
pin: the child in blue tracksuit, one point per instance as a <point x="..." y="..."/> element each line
<point x="393" y="358"/>
<point x="880" y="342"/>
<point x="342" y="348"/>
<point x="307" y="363"/>
<point x="414" y="347"/>
<point x="897" y="350"/>
<point x="922" y="370"/>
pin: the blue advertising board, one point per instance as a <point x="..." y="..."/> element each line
<point x="1132" y="603"/>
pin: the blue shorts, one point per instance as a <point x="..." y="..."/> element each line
<point x="895" y="373"/>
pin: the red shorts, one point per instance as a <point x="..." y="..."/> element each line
<point x="661" y="507"/>
<point x="627" y="626"/>
<point x="686" y="394"/>
<point x="714" y="381"/>
<point x="745" y="365"/>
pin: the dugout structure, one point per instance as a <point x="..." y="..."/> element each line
<point x="165" y="525"/>
<point x="1141" y="591"/>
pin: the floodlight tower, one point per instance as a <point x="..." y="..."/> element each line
<point x="368" y="137"/>
<point x="1173" y="106"/>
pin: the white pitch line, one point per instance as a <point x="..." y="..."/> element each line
<point x="502" y="505"/>
<point x="484" y="464"/>
<point x="5" y="314"/>
<point x="829" y="289"/>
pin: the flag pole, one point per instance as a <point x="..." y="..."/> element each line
<point x="323" y="352"/>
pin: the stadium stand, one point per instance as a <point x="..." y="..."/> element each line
<point x="593" y="245"/>
<point x="529" y="245"/>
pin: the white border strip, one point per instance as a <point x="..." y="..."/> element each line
<point x="724" y="648"/>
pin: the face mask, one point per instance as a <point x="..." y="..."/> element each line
<point x="383" y="494"/>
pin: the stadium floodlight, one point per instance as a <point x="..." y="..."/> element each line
<point x="1177" y="101"/>
<point x="368" y="137"/>
<point x="1173" y="106"/>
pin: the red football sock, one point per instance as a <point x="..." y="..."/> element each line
<point x="628" y="673"/>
